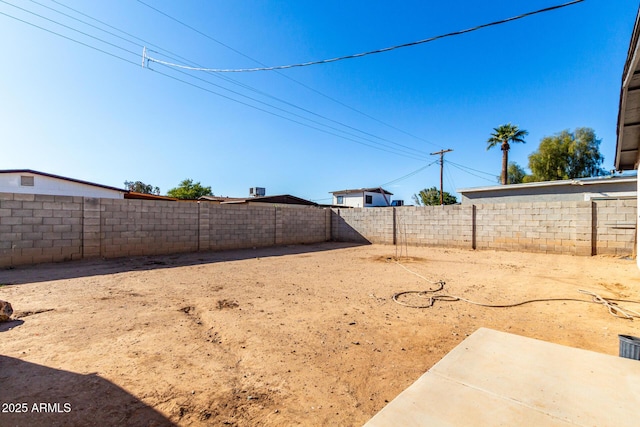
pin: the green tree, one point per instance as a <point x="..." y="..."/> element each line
<point x="141" y="187"/>
<point x="431" y="197"/>
<point x="503" y="135"/>
<point x="567" y="155"/>
<point x="515" y="174"/>
<point x="188" y="190"/>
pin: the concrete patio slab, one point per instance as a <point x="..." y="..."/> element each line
<point x="497" y="379"/>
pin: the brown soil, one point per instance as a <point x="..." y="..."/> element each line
<point x="299" y="335"/>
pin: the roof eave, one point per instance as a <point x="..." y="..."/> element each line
<point x="631" y="68"/>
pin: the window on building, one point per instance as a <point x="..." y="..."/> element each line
<point x="368" y="200"/>
<point x="26" y="181"/>
<point x="340" y="200"/>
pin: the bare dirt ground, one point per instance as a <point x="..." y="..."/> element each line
<point x="298" y="335"/>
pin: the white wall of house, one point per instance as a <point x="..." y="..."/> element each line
<point x="358" y="200"/>
<point x="352" y="200"/>
<point x="15" y="183"/>
<point x="377" y="199"/>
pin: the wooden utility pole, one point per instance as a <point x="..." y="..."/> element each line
<point x="441" y="153"/>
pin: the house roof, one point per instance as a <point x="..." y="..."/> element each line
<point x="50" y="175"/>
<point x="145" y="196"/>
<point x="628" y="132"/>
<point x="220" y="198"/>
<point x="362" y="190"/>
<point x="283" y="199"/>
<point x="566" y="182"/>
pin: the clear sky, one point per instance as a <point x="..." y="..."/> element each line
<point x="71" y="110"/>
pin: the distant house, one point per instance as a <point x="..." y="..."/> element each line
<point x="362" y="198"/>
<point x="283" y="199"/>
<point x="582" y="189"/>
<point x="28" y="181"/>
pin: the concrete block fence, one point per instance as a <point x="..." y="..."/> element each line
<point x="577" y="228"/>
<point x="43" y="228"/>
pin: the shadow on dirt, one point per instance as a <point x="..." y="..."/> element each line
<point x="97" y="267"/>
<point x="7" y="326"/>
<point x="36" y="395"/>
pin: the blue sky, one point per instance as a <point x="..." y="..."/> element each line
<point x="71" y="110"/>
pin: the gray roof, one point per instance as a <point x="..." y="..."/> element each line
<point x="566" y="182"/>
<point x="362" y="190"/>
<point x="283" y="199"/>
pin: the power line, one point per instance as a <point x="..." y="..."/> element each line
<point x="449" y="178"/>
<point x="357" y="55"/>
<point x="464" y="169"/>
<point x="70" y="39"/>
<point x="66" y="26"/>
<point x="281" y="116"/>
<point x="247" y="87"/>
<point x="83" y="22"/>
<point x="395" y="151"/>
<point x="215" y="93"/>
<point x="260" y="92"/>
<point x="409" y="174"/>
<point x="467" y="167"/>
<point x="285" y="75"/>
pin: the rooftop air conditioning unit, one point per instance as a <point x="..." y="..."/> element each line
<point x="257" y="191"/>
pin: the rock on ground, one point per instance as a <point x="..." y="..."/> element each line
<point x="5" y="311"/>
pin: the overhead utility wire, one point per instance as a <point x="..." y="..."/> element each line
<point x="70" y="39"/>
<point x="278" y="115"/>
<point x="286" y="76"/>
<point x="357" y="55"/>
<point x="449" y="177"/>
<point x="230" y="80"/>
<point x="65" y="26"/>
<point x="85" y="22"/>
<point x="463" y="169"/>
<point x="409" y="175"/>
<point x="260" y="92"/>
<point x="397" y="152"/>
<point x="467" y="167"/>
<point x="109" y="26"/>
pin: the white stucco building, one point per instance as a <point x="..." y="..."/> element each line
<point x="28" y="181"/>
<point x="362" y="198"/>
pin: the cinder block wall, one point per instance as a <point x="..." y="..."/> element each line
<point x="144" y="227"/>
<point x="577" y="228"/>
<point x="435" y="225"/>
<point x="303" y="225"/>
<point x="240" y="226"/>
<point x="615" y="226"/>
<point x="554" y="227"/>
<point x="35" y="229"/>
<point x="40" y="228"/>
<point x="362" y="225"/>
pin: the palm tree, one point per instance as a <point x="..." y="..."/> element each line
<point x="503" y="135"/>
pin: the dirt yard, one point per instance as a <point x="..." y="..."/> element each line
<point x="298" y="335"/>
